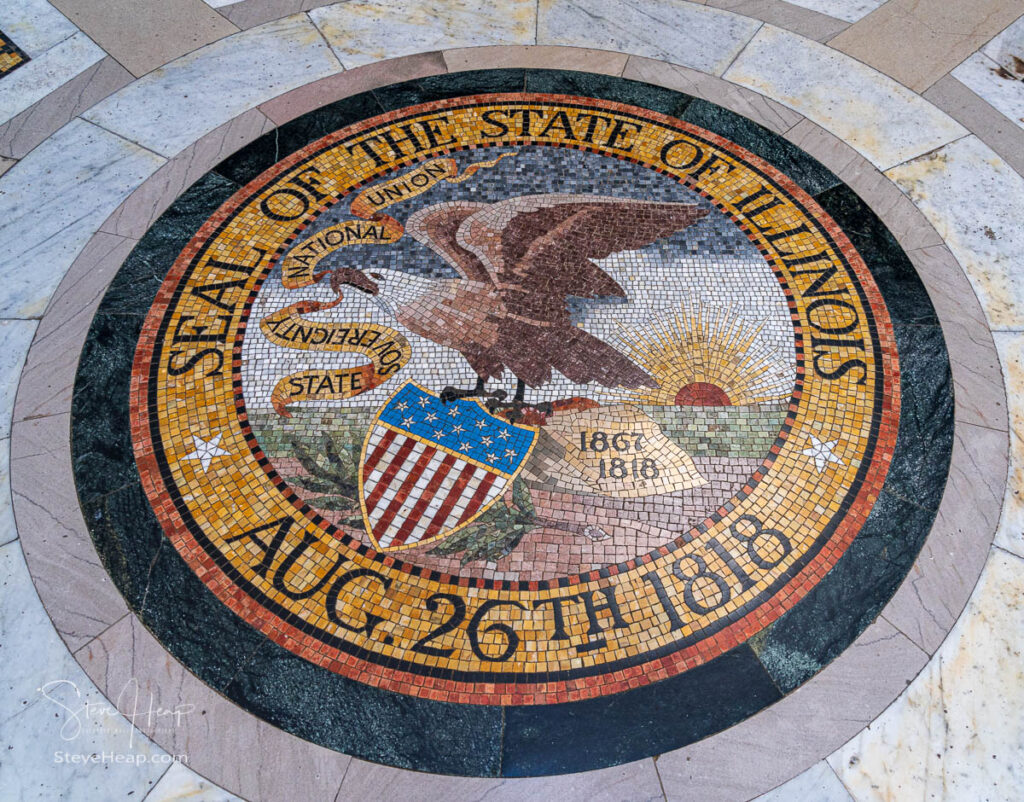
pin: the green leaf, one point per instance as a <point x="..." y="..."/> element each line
<point x="522" y="498"/>
<point x="332" y="503"/>
<point x="314" y="484"/>
<point x="307" y="460"/>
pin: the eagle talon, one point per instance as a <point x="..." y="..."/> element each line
<point x="449" y="394"/>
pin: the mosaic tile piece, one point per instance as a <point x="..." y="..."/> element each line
<point x="548" y="403"/>
<point x="11" y="56"/>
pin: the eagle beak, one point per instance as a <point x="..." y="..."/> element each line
<point x="353" y="278"/>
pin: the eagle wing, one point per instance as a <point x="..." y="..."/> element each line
<point x="436" y="226"/>
<point x="537" y="249"/>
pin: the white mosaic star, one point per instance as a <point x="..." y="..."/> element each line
<point x="431" y="417"/>
<point x="402" y="407"/>
<point x="487" y="441"/>
<point x="453" y="412"/>
<point x="510" y="453"/>
<point x="481" y="424"/>
<point x="423" y="402"/>
<point x="503" y="434"/>
<point x="206" y="451"/>
<point x="439" y="434"/>
<point x="465" y="446"/>
<point x="492" y="457"/>
<point x="407" y="422"/>
<point x="821" y="453"/>
<point x="458" y="428"/>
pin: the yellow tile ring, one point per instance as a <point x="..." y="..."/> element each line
<point x="523" y="402"/>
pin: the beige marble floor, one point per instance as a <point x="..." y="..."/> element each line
<point x="151" y="93"/>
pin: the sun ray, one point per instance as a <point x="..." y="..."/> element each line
<point x="703" y="355"/>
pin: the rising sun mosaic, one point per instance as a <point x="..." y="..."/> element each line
<point x="515" y="399"/>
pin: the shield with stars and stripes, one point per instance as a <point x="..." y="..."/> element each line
<point x="429" y="468"/>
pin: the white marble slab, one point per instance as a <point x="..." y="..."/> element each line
<point x="819" y="783"/>
<point x="957" y="732"/>
<point x="363" y="31"/>
<point x="1001" y="89"/>
<point x="976" y="203"/>
<point x="39" y="727"/>
<point x="884" y="121"/>
<point x="684" y="33"/>
<point x="16" y="336"/>
<point x="8" y="530"/>
<point x="33" y="81"/>
<point x="1006" y="45"/>
<point x="180" y="782"/>
<point x="53" y="200"/>
<point x="848" y="10"/>
<point x="1010" y="534"/>
<point x="173" y="106"/>
<point x="34" y="25"/>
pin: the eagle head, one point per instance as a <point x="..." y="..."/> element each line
<point x="353" y="278"/>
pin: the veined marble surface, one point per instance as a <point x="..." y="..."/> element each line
<point x="957" y="732"/>
<point x="702" y="38"/>
<point x="1000" y="86"/>
<point x="1007" y="46"/>
<point x="848" y="10"/>
<point x="881" y="119"/>
<point x="364" y="31"/>
<point x="180" y="782"/>
<point x="819" y="783"/>
<point x="1010" y="534"/>
<point x="53" y="201"/>
<point x="16" y="335"/>
<point x="61" y="737"/>
<point x="976" y="202"/>
<point x="33" y="81"/>
<point x="171" y="107"/>
<point x="34" y="25"/>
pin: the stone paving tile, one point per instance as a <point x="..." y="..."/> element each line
<point x="169" y="109"/>
<point x="43" y="693"/>
<point x="974" y="200"/>
<point x="703" y="38"/>
<point x="916" y="42"/>
<point x="358" y="34"/>
<point x="839" y="95"/>
<point x="949" y="735"/>
<point x="144" y="36"/>
<point x="25" y="130"/>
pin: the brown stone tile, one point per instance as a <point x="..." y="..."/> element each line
<point x="1000" y="133"/>
<point x="22" y="133"/>
<point x="146" y="34"/>
<point x="936" y="590"/>
<point x="49" y="373"/>
<point x="813" y="25"/>
<point x="767" y="749"/>
<point x="918" y="41"/>
<point x="249" y="13"/>
<point x="211" y="730"/>
<point x="979" y="392"/>
<point x="637" y="782"/>
<point x="79" y="597"/>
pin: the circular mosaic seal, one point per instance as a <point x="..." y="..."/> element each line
<point x="515" y="398"/>
<point x="482" y="431"/>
